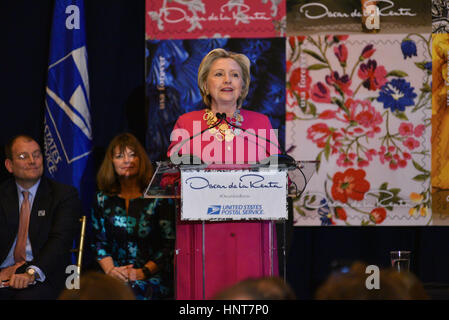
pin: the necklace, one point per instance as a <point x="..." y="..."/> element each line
<point x="223" y="131"/>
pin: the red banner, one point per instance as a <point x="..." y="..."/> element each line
<point x="215" y="19"/>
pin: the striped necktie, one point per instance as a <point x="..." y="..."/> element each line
<point x="22" y="234"/>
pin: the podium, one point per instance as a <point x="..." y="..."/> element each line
<point x="214" y="193"/>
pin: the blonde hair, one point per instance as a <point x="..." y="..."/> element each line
<point x="204" y="69"/>
<point x="107" y="178"/>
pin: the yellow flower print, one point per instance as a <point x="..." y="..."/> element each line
<point x="416" y="197"/>
<point x="423" y="211"/>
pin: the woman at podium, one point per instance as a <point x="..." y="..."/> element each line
<point x="222" y="133"/>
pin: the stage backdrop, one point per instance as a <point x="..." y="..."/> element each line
<point x="359" y="103"/>
<point x="195" y="19"/>
<point x="180" y="34"/>
<point x="366" y="119"/>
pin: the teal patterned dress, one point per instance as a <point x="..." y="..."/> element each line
<point x="145" y="233"/>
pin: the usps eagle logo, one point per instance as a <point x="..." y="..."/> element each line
<point x="215" y="209"/>
<point x="67" y="104"/>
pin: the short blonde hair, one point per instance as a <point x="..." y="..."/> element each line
<point x="107" y="178"/>
<point x="204" y="69"/>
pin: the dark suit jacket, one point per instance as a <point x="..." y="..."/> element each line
<point x="51" y="235"/>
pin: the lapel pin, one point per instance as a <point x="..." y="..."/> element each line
<point x="41" y="213"/>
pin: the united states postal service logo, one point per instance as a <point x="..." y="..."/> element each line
<point x="67" y="104"/>
<point x="215" y="209"/>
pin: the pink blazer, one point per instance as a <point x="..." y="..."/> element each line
<point x="233" y="250"/>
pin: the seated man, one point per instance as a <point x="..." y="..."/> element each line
<point x="38" y="221"/>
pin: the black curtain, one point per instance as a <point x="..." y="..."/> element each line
<point x="116" y="52"/>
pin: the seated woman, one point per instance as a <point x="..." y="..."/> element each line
<point x="133" y="235"/>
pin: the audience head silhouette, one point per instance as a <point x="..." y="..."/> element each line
<point x="265" y="288"/>
<point x="98" y="286"/>
<point x="352" y="285"/>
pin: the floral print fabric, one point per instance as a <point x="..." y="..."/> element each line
<point x="361" y="105"/>
<point x="145" y="233"/>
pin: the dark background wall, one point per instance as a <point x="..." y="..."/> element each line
<point x="116" y="49"/>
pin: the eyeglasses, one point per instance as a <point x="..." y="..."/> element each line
<point x="122" y="155"/>
<point x="26" y="156"/>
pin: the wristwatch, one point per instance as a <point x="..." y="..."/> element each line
<point x="146" y="272"/>
<point x="31" y="272"/>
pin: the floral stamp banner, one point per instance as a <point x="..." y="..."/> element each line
<point x="193" y="19"/>
<point x="172" y="89"/>
<point x="361" y="105"/>
<point x="344" y="16"/>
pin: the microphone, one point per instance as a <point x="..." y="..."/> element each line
<point x="284" y="157"/>
<point x="191" y="159"/>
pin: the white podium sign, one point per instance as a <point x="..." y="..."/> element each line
<point x="234" y="195"/>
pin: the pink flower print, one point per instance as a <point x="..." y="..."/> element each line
<point x="362" y="163"/>
<point x="382" y="157"/>
<point x="370" y="153"/>
<point x="321" y="93"/>
<point x="406" y="129"/>
<point x="393" y="165"/>
<point x="327" y="114"/>
<point x="334" y="148"/>
<point x="290" y="116"/>
<point x="344" y="161"/>
<point x="362" y="112"/>
<point x="288" y="65"/>
<point x="341" y="52"/>
<point x="378" y="215"/>
<point x="318" y="133"/>
<point x="342" y="82"/>
<point x="298" y="40"/>
<point x="411" y="143"/>
<point x="371" y="133"/>
<point x="374" y="76"/>
<point x="340" y="213"/>
<point x="402" y="163"/>
<point x="367" y="52"/>
<point x="368" y="118"/>
<point x="342" y="37"/>
<point x="337" y="38"/>
<point x="419" y="130"/>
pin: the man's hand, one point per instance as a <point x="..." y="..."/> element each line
<point x="7" y="273"/>
<point x="20" y="280"/>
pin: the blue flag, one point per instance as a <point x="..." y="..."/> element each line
<point x="68" y="130"/>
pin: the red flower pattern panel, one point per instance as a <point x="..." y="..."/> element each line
<point x="362" y="109"/>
